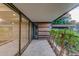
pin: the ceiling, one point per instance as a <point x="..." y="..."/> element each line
<point x="44" y="12"/>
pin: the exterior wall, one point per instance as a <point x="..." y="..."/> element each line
<point x="43" y="29"/>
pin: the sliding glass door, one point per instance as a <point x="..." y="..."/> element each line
<point x="15" y="31"/>
<point x="9" y="31"/>
<point x="24" y="32"/>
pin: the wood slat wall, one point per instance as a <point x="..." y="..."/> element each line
<point x="43" y="29"/>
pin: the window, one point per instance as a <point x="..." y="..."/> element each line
<point x="9" y="31"/>
<point x="24" y="32"/>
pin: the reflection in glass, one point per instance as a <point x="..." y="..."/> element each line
<point x="9" y="31"/>
<point x="24" y="32"/>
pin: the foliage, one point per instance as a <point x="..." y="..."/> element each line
<point x="71" y="38"/>
<point x="63" y="20"/>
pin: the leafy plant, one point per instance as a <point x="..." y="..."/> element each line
<point x="71" y="39"/>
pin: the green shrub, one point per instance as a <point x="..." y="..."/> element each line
<point x="71" y="38"/>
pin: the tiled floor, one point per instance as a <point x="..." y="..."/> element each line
<point x="39" y="48"/>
